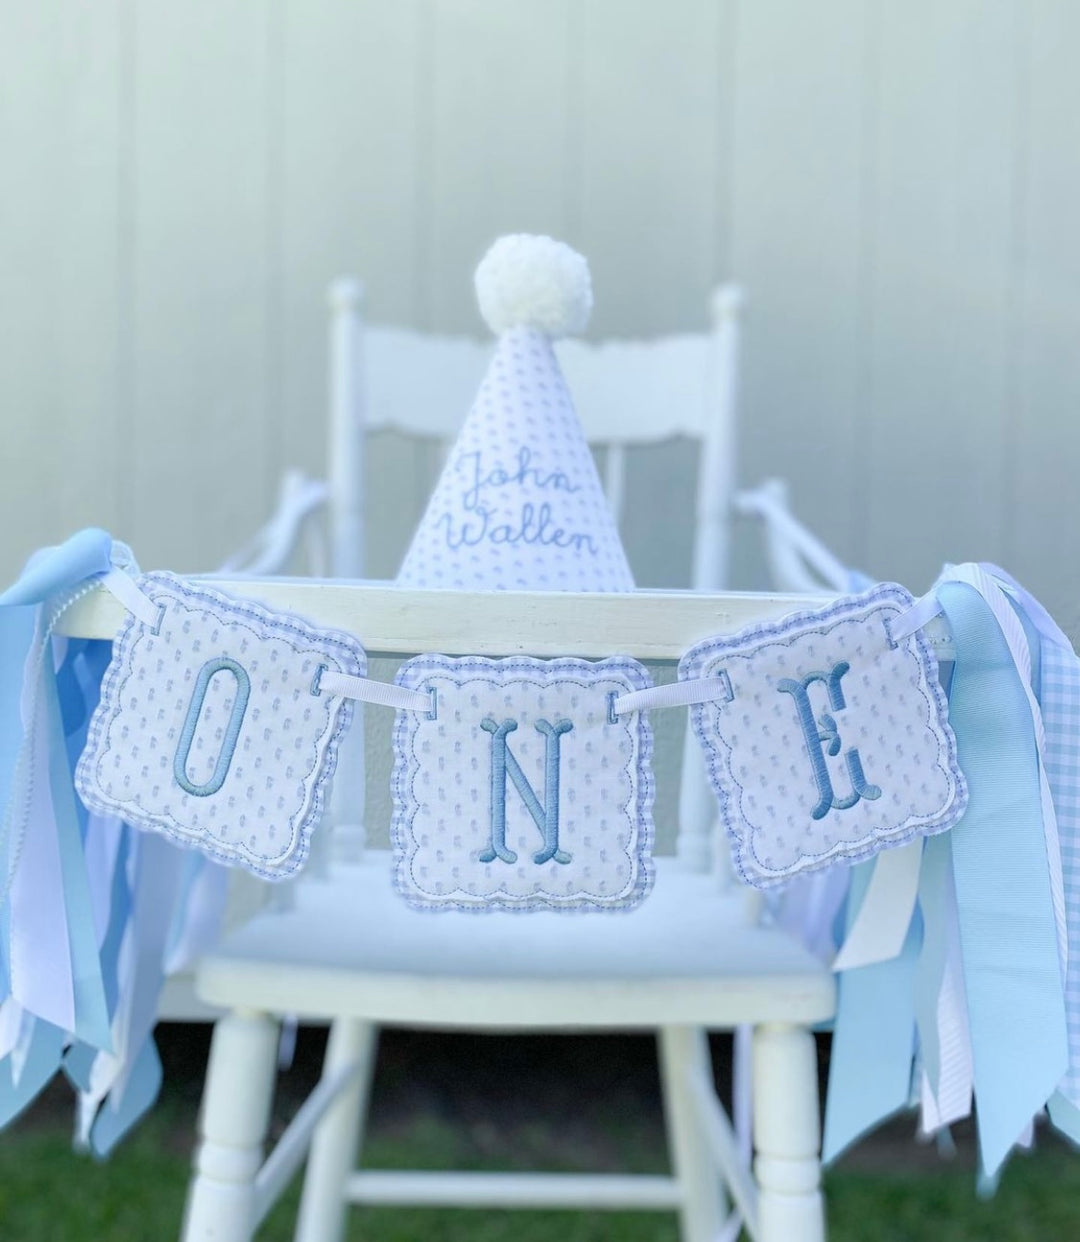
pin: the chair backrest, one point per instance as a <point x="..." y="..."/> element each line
<point x="627" y="393"/>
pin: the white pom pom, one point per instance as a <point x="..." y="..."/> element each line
<point x="534" y="282"/>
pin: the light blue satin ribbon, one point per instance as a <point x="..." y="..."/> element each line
<point x="91" y="1011"/>
<point x="53" y="570"/>
<point x="1012" y="971"/>
<point x="874" y="1037"/>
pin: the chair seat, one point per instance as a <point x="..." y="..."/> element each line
<point x="351" y="946"/>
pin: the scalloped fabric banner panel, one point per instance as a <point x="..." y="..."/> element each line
<point x="834" y="743"/>
<point x="520" y="789"/>
<point x="212" y="728"/>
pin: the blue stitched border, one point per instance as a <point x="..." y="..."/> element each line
<point x="701" y="658"/>
<point x="416" y="674"/>
<point x="262" y="623"/>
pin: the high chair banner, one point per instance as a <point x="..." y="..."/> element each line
<point x="523" y="784"/>
<point x="520" y="784"/>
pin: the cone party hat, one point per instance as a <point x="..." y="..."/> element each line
<point x="519" y="504"/>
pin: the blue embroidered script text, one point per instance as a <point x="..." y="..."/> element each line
<point x="535" y="523"/>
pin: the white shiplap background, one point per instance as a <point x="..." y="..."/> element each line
<point x="895" y="182"/>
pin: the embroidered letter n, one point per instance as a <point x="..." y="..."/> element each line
<point x="503" y="765"/>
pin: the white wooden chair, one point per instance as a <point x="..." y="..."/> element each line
<point x="351" y="953"/>
<point x="627" y="393"/>
<point x="798" y="560"/>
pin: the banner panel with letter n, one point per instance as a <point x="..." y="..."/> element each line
<point x="521" y="789"/>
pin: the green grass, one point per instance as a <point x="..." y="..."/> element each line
<point x="459" y="1104"/>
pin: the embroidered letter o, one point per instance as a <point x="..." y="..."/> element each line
<point x="228" y="745"/>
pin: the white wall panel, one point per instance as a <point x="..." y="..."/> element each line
<point x="939" y="222"/>
<point x="798" y="184"/>
<point x="498" y="102"/>
<point x="348" y="134"/>
<point x="895" y="184"/>
<point x="1043" y="497"/>
<point x="61" y="415"/>
<point x="204" y="439"/>
<point x="649" y="160"/>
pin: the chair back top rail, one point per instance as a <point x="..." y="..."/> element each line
<point x="649" y="625"/>
<point x="626" y="392"/>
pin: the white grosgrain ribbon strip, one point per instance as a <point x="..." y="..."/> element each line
<point x="676" y="694"/>
<point x="124" y="588"/>
<point x="917" y="616"/>
<point x="379" y="693"/>
<point x="953" y="1092"/>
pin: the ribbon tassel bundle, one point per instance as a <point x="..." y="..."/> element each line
<point x="982" y="996"/>
<point x="92" y="911"/>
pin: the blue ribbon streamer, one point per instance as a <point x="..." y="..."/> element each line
<point x="874" y="1037"/>
<point x="1012" y="972"/>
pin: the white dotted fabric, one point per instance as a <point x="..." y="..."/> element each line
<point x="274" y="787"/>
<point x="519" y="504"/>
<point x="759" y="758"/>
<point x="443" y="786"/>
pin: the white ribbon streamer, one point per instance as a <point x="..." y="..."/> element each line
<point x="881" y="925"/>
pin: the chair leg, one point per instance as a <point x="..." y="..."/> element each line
<point x="683" y="1050"/>
<point x="335" y="1145"/>
<point x="787" y="1136"/>
<point x="235" y="1115"/>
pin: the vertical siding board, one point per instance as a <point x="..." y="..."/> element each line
<point x="652" y="162"/>
<point x="648" y="151"/>
<point x="59" y="133"/>
<point x="799" y="185"/>
<point x="938" y="347"/>
<point x="1045" y="537"/>
<point x="204" y="436"/>
<point x="895" y="184"/>
<point x="349" y="173"/>
<point x="498" y="96"/>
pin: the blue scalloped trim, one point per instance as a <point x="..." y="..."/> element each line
<point x="414" y="674"/>
<point x="263" y="623"/>
<point x="698" y="662"/>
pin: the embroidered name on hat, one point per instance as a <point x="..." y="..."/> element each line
<point x="835" y="740"/>
<point x="213" y="728"/>
<point x="521" y="789"/>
